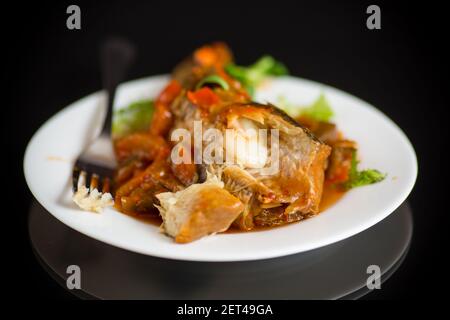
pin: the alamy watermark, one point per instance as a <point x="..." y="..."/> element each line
<point x="73" y="21"/>
<point x="374" y="20"/>
<point x="74" y="279"/>
<point x="246" y="147"/>
<point x="374" y="280"/>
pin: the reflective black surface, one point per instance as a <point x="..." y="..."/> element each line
<point x="335" y="271"/>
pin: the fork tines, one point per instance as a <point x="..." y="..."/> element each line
<point x="90" y="180"/>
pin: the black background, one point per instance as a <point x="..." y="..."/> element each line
<point x="402" y="69"/>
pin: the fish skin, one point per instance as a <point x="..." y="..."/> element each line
<point x="298" y="187"/>
<point x="306" y="187"/>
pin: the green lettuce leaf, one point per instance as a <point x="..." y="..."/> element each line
<point x="361" y="178"/>
<point x="320" y="110"/>
<point x="135" y="117"/>
<point x="291" y="109"/>
<point x="253" y="75"/>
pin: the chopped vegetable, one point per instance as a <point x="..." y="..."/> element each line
<point x="162" y="117"/>
<point x="364" y="177"/>
<point x="267" y="65"/>
<point x="213" y="79"/>
<point x="288" y="107"/>
<point x="203" y="97"/>
<point x="169" y="93"/>
<point x="135" y="117"/>
<point x="320" y="110"/>
<point x="252" y="75"/>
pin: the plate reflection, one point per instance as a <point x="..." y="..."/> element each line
<point x="335" y="271"/>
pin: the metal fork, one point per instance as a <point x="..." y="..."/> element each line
<point x="94" y="167"/>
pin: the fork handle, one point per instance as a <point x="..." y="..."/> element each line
<point x="116" y="56"/>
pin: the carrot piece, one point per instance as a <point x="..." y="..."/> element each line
<point x="170" y="92"/>
<point x="216" y="54"/>
<point x="204" y="97"/>
<point x="205" y="56"/>
<point x="162" y="118"/>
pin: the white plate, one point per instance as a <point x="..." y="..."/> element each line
<point x="382" y="145"/>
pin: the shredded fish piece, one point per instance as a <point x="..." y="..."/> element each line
<point x="195" y="212"/>
<point x="92" y="201"/>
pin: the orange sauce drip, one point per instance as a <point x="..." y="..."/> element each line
<point x="152" y="218"/>
<point x="330" y="195"/>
